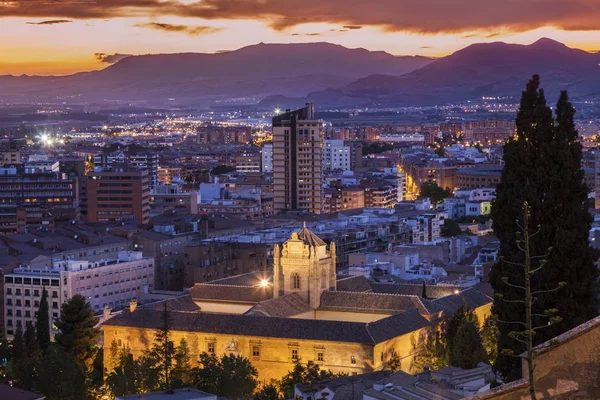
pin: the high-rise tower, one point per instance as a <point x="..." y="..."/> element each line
<point x="297" y="161"/>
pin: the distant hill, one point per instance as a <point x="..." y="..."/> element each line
<point x="494" y="69"/>
<point x="253" y="71"/>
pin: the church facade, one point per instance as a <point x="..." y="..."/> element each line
<point x="301" y="312"/>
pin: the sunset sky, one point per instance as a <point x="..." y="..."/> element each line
<point x="65" y="36"/>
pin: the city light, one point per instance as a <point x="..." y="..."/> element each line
<point x="277" y="111"/>
<point x="264" y="283"/>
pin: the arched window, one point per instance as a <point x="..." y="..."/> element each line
<point x="295" y="281"/>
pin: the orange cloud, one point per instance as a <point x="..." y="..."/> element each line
<point x="190" y="30"/>
<point x="450" y="16"/>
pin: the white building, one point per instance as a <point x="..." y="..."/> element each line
<point x="111" y="282"/>
<point x="267" y="157"/>
<point x="336" y="155"/>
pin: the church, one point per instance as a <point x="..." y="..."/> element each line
<point x="303" y="311"/>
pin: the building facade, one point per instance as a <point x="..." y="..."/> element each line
<point x="118" y="194"/>
<point x="297" y="161"/>
<point x="111" y="282"/>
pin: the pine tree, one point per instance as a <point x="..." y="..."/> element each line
<point x="543" y="167"/>
<point x="42" y="324"/>
<point x="489" y="339"/>
<point x="463" y="314"/>
<point x="467" y="350"/>
<point x="77" y="334"/>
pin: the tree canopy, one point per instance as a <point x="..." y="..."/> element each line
<point x="543" y="168"/>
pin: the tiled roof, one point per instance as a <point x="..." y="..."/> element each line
<point x="310" y="238"/>
<point x="369" y="302"/>
<point x="247" y="279"/>
<point x="286" y="306"/>
<point x="249" y="325"/>
<point x="433" y="291"/>
<point x="230" y="293"/>
<point x="181" y="303"/>
<point x="354" y="284"/>
<point x="471" y="297"/>
<point x="396" y="325"/>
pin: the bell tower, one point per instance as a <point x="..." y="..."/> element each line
<point x="303" y="265"/>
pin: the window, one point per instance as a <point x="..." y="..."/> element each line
<point x="295" y="281"/>
<point x="255" y="351"/>
<point x="294" y="354"/>
<point x="320" y="357"/>
<point x="210" y="348"/>
<point x="54" y="304"/>
<point x="352" y="360"/>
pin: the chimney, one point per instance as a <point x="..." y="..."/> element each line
<point x="132" y="305"/>
<point x="106" y="313"/>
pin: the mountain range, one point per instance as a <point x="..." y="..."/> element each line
<point x="254" y="71"/>
<point x="327" y="74"/>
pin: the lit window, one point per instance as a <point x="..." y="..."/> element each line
<point x="211" y="348"/>
<point x="255" y="351"/>
<point x="352" y="359"/>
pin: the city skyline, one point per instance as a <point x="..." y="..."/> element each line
<point x="56" y="38"/>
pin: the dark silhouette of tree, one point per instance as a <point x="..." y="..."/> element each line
<point x="162" y="350"/>
<point x="463" y="314"/>
<point x="307" y="374"/>
<point x="60" y="376"/>
<point x="267" y="392"/>
<point x="42" y="324"/>
<point x="77" y="333"/>
<point x="231" y="376"/>
<point x="424" y="290"/>
<point x="543" y="167"/>
<point x="182" y="369"/>
<point x="32" y="347"/>
<point x="450" y="228"/>
<point x="222" y="169"/>
<point x="435" y="193"/>
<point x="467" y="350"/>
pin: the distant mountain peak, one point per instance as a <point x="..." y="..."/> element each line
<point x="547" y="43"/>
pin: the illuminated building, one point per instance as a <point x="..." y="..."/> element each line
<point x="118" y="194"/>
<point x="36" y="201"/>
<point x="267" y="157"/>
<point x="297" y="161"/>
<point x="166" y="175"/>
<point x="300" y="313"/>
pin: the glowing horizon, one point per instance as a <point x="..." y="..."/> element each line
<point x="52" y="38"/>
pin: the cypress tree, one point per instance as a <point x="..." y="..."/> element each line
<point x="424" y="290"/>
<point x="42" y="324"/>
<point x="32" y="347"/>
<point x="543" y="167"/>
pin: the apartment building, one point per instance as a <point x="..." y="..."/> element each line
<point x="112" y="283"/>
<point x="35" y="201"/>
<point x="118" y="194"/>
<point x="297" y="161"/>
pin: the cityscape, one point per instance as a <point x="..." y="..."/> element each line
<point x="213" y="199"/>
